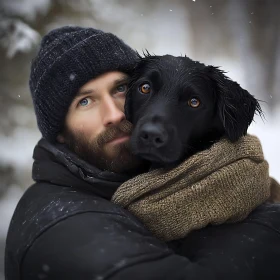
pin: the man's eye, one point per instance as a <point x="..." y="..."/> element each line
<point x="122" y="88"/>
<point x="84" y="102"/>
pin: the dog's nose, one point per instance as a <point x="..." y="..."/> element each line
<point x="152" y="135"/>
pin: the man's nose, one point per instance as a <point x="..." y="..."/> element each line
<point x="113" y="112"/>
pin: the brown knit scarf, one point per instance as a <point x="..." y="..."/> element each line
<point x="221" y="184"/>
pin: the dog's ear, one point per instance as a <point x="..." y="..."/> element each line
<point x="236" y="106"/>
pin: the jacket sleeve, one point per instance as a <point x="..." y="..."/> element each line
<point x="108" y="246"/>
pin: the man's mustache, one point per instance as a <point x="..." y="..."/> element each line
<point x="114" y="132"/>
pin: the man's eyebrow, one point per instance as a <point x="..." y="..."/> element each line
<point x="84" y="92"/>
<point x="121" y="80"/>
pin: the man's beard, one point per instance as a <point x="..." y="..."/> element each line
<point x="118" y="159"/>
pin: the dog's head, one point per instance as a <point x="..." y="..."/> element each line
<point x="178" y="106"/>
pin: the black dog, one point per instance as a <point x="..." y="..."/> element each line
<point x="179" y="107"/>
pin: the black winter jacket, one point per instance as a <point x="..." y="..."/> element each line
<point x="65" y="227"/>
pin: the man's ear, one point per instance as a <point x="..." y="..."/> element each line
<point x="236" y="106"/>
<point x="60" y="139"/>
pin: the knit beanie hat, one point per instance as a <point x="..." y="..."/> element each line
<point x="67" y="59"/>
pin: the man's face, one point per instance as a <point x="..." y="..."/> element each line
<point x="95" y="125"/>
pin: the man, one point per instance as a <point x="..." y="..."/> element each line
<point x="65" y="226"/>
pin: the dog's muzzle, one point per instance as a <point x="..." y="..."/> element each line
<point x="155" y="142"/>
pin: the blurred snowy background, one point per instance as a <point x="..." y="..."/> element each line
<point x="241" y="36"/>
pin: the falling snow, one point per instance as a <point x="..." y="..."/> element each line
<point x="72" y="77"/>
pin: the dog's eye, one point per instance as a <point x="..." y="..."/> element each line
<point x="194" y="102"/>
<point x="145" y="88"/>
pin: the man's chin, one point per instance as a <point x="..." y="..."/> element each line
<point x="119" y="159"/>
<point x="114" y="150"/>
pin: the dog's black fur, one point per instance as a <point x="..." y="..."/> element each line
<point x="168" y="130"/>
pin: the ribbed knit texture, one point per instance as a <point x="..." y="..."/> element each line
<point x="67" y="59"/>
<point x="221" y="184"/>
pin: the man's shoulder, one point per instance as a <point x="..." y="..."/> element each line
<point x="44" y="204"/>
<point x="43" y="198"/>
